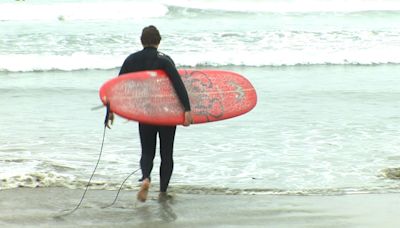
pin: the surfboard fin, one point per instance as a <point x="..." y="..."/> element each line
<point x="97" y="107"/>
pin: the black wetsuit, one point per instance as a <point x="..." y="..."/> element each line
<point x="150" y="59"/>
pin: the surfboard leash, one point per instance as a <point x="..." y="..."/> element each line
<point x="95" y="168"/>
<point x="97" y="163"/>
<point x="120" y="188"/>
<point x="122" y="184"/>
<point x="108" y="113"/>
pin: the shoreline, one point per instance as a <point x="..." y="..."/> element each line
<point x="45" y="207"/>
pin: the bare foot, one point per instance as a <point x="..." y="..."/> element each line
<point x="144" y="190"/>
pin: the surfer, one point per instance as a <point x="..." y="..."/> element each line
<point x="149" y="58"/>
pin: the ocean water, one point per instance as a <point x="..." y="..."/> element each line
<point x="326" y="73"/>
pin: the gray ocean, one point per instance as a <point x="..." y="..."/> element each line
<point x="326" y="73"/>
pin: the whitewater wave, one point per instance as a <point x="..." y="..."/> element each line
<point x="84" y="61"/>
<point x="46" y="62"/>
<point x="50" y="179"/>
<point x="123" y="10"/>
<point x="294" y="6"/>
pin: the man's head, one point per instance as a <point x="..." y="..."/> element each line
<point x="150" y="36"/>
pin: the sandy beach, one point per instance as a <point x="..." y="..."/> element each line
<point x="46" y="207"/>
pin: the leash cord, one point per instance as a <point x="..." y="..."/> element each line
<point x="98" y="160"/>
<point x="119" y="190"/>
<point x="95" y="168"/>
<point x="91" y="177"/>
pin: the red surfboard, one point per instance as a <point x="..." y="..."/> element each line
<point x="148" y="96"/>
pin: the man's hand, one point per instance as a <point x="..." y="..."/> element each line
<point x="188" y="119"/>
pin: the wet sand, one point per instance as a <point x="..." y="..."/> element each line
<point x="46" y="207"/>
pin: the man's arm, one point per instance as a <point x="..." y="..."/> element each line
<point x="177" y="82"/>
<point x="179" y="87"/>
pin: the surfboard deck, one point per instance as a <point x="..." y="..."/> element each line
<point x="148" y="96"/>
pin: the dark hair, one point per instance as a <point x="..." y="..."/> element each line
<point x="150" y="36"/>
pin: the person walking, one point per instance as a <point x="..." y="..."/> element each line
<point x="149" y="58"/>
